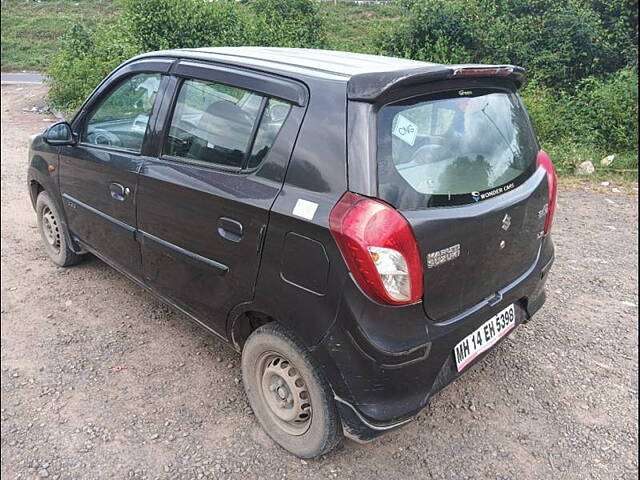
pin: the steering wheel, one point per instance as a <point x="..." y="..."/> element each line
<point x="104" y="137"/>
<point x="427" y="152"/>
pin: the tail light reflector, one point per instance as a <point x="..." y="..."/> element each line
<point x="379" y="247"/>
<point x="552" y="181"/>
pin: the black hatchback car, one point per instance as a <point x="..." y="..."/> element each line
<point x="361" y="228"/>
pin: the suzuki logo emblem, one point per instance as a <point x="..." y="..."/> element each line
<point x="506" y="222"/>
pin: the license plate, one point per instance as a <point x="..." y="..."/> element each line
<point x="485" y="337"/>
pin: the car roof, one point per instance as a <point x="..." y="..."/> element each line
<point x="367" y="76"/>
<point x="314" y="62"/>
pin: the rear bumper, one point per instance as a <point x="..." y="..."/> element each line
<point x="358" y="427"/>
<point x="383" y="379"/>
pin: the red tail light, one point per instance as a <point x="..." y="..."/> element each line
<point x="379" y="247"/>
<point x="552" y="181"/>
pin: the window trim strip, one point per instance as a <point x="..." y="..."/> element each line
<point x="262" y="83"/>
<point x="254" y="131"/>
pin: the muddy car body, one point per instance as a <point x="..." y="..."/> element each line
<point x="363" y="228"/>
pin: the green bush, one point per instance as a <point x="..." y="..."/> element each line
<point x="84" y="59"/>
<point x="559" y="42"/>
<point x="162" y="24"/>
<point x="287" y="23"/>
<point x="433" y="30"/>
<point x="607" y="110"/>
<point x="600" y="117"/>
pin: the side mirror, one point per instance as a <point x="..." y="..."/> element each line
<point x="59" y="134"/>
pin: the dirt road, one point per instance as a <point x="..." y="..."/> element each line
<point x="99" y="380"/>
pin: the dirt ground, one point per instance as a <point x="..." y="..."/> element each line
<point x="99" y="380"/>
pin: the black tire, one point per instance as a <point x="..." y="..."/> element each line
<point x="316" y="428"/>
<point x="53" y="232"/>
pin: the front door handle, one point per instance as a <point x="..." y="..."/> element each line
<point x="118" y="192"/>
<point x="230" y="229"/>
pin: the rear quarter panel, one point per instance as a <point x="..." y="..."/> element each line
<point x="316" y="174"/>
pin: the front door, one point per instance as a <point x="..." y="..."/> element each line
<point x="98" y="176"/>
<point x="203" y="203"/>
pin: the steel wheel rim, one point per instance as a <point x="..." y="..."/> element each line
<point x="284" y="393"/>
<point x="50" y="229"/>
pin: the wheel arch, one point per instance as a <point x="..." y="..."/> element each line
<point x="243" y="323"/>
<point x="35" y="187"/>
<point x="245" y="318"/>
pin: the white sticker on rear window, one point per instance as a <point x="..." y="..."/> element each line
<point x="405" y="130"/>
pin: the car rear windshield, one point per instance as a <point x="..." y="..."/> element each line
<point x="453" y="148"/>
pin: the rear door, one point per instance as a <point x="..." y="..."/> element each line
<point x="98" y="176"/>
<point x="461" y="166"/>
<point x="224" y="142"/>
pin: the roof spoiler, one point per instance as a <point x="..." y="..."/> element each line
<point x="369" y="87"/>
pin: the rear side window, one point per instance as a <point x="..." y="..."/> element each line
<point x="275" y="114"/>
<point x="451" y="148"/>
<point x="220" y="125"/>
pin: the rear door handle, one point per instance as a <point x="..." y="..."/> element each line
<point x="118" y="192"/>
<point x="230" y="229"/>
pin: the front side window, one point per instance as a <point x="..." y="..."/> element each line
<point x="121" y="119"/>
<point x="439" y="150"/>
<point x="215" y="124"/>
